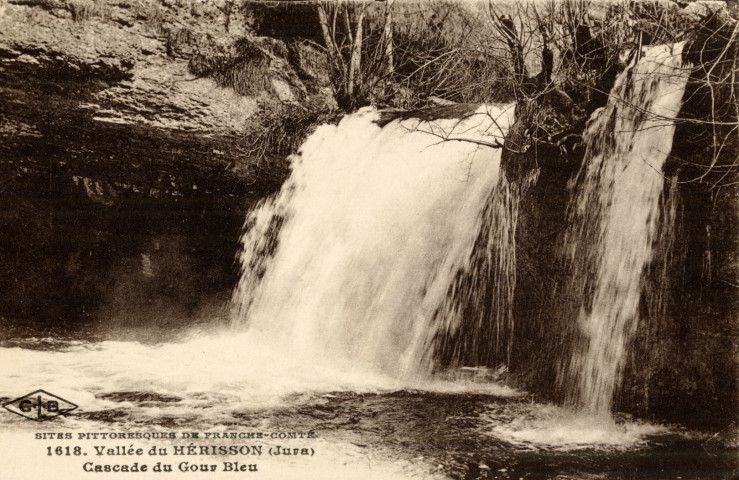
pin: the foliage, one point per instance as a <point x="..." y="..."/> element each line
<point x="278" y="135"/>
<point x="245" y="70"/>
<point x="711" y="103"/>
<point x="547" y="56"/>
<point x="86" y="9"/>
<point x="405" y="53"/>
<point x="581" y="47"/>
<point x="441" y="53"/>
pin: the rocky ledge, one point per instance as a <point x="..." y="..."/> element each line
<point x="122" y="93"/>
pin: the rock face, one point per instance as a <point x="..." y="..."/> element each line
<point x="131" y="136"/>
<point x="113" y="69"/>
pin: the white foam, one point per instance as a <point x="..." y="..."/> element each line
<point x="544" y="427"/>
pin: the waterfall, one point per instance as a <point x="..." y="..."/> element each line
<point x="356" y="256"/>
<point x="614" y="218"/>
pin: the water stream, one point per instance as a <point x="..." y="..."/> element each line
<point x="615" y="215"/>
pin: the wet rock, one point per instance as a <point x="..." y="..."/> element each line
<point x="704" y="9"/>
<point x="27" y="59"/>
<point x="123" y="17"/>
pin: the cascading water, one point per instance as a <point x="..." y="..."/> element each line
<point x="358" y="252"/>
<point x="614" y="218"/>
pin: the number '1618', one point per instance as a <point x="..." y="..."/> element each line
<point x="68" y="451"/>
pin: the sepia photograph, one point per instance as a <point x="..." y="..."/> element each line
<point x="369" y="239"/>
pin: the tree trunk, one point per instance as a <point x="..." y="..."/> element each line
<point x="347" y="22"/>
<point x="355" y="62"/>
<point x="326" y="34"/>
<point x="388" y="34"/>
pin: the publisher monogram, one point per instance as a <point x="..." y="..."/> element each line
<point x="39" y="406"/>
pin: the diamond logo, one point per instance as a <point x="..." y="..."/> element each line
<point x="39" y="406"/>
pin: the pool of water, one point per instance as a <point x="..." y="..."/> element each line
<point x="359" y="424"/>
